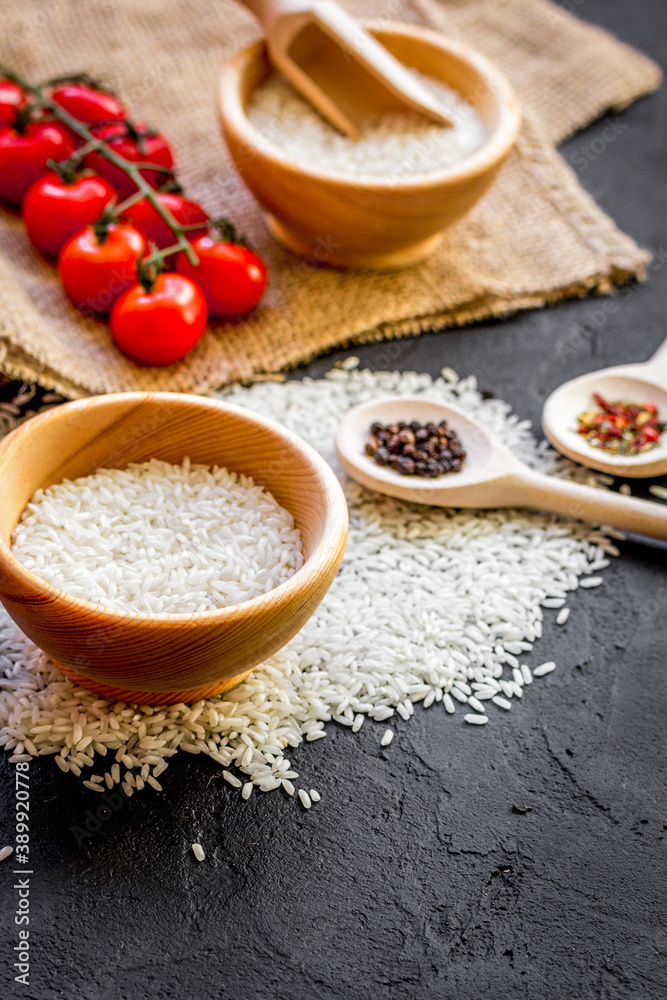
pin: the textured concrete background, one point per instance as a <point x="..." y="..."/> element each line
<point x="416" y="877"/>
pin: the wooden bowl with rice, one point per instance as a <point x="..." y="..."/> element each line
<point x="166" y="658"/>
<point x="363" y="219"/>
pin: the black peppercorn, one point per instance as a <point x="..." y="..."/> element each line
<point x="415" y="449"/>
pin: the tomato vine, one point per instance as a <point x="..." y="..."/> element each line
<point x="39" y="100"/>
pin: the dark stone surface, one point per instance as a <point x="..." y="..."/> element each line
<point x="420" y="875"/>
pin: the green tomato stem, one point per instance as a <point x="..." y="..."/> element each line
<point x="158" y="256"/>
<point x="129" y="202"/>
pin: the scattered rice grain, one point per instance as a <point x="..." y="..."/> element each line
<point x="436" y="618"/>
<point x="526" y="674"/>
<point x="502" y="702"/>
<point x="477" y="705"/>
<point x="232" y="779"/>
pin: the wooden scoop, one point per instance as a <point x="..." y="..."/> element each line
<point x="337" y="65"/>
<point x="491" y="475"/>
<point x="637" y="383"/>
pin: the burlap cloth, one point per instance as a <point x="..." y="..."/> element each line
<point x="534" y="239"/>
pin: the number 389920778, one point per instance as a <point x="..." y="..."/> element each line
<point x="22" y="838"/>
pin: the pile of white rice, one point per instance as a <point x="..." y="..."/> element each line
<point x="392" y="146"/>
<point x="159" y="538"/>
<point x="433" y="607"/>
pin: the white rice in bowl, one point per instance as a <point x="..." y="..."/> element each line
<point x="393" y="147"/>
<point x="159" y="538"/>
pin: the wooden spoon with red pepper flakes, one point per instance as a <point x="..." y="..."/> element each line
<point x="621" y="437"/>
<point x="621" y="427"/>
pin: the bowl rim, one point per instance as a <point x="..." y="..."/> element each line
<point x="493" y="150"/>
<point x="335" y="520"/>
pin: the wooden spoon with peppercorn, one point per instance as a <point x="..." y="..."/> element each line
<point x="623" y="447"/>
<point x="489" y="475"/>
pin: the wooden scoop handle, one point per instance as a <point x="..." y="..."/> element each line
<point x="283" y="19"/>
<point x="589" y="503"/>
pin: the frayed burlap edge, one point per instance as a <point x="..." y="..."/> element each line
<point x="20" y="366"/>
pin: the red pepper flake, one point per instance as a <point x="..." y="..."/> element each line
<point x="621" y="427"/>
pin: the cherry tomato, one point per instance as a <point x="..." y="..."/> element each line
<point x="144" y="217"/>
<point x="96" y="270"/>
<point x="12" y="97"/>
<point x="231" y="276"/>
<point x="137" y="143"/>
<point x="88" y="104"/>
<point x="159" y="327"/>
<point x="54" y="210"/>
<point x="23" y="155"/>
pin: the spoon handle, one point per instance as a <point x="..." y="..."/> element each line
<point x="658" y="363"/>
<point x="589" y="503"/>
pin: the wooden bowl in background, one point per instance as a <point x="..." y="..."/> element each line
<point x="165" y="659"/>
<point x="360" y="221"/>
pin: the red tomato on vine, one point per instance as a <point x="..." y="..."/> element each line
<point x="230" y="275"/>
<point x="138" y="144"/>
<point x="100" y="263"/>
<point x="55" y="208"/>
<point x="24" y="154"/>
<point x="146" y="219"/>
<point x="12" y="98"/>
<point x="159" y="323"/>
<point x="86" y="101"/>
